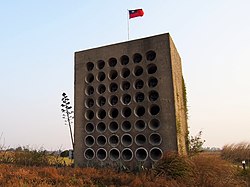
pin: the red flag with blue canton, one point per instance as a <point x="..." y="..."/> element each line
<point x="135" y="13"/>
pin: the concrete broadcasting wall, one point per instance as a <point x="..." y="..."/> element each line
<point x="129" y="105"/>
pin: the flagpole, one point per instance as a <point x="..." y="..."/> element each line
<point x="128" y="22"/>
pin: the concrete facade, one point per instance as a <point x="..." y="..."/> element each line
<point x="129" y="103"/>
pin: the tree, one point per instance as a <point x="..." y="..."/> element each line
<point x="68" y="114"/>
<point x="195" y="144"/>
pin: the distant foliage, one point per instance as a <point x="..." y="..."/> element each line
<point x="195" y="144"/>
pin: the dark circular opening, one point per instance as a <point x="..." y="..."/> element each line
<point x="154" y="124"/>
<point x="89" y="141"/>
<point x="127" y="140"/>
<point x="101" y="88"/>
<point x="113" y="87"/>
<point x="125" y="85"/>
<point x="156" y="154"/>
<point x="155" y="139"/>
<point x="124" y="60"/>
<point x="113" y="140"/>
<point x="127" y="155"/>
<point x="89" y="102"/>
<point x="90" y="66"/>
<point x="141" y="154"/>
<point x="153" y="95"/>
<point x="154" y="110"/>
<point x="100" y="64"/>
<point x="101" y="101"/>
<point x="152" y="82"/>
<point x="101" y="114"/>
<point x="140" y="125"/>
<point x="125" y="72"/>
<point x="101" y="127"/>
<point x="140" y="139"/>
<point x="113" y="74"/>
<point x="139" y="97"/>
<point x="137" y="58"/>
<point x="89" y="90"/>
<point x="126" y="126"/>
<point x="90" y="78"/>
<point x="89" y="128"/>
<point x="101" y="140"/>
<point x="151" y="55"/>
<point x="114" y="154"/>
<point x="140" y="111"/>
<point x="126" y="99"/>
<point x="89" y="114"/>
<point x="113" y="100"/>
<point x="113" y="126"/>
<point x="101" y="154"/>
<point x="126" y="112"/>
<point x="89" y="154"/>
<point x="139" y="84"/>
<point x="138" y="71"/>
<point x="101" y="76"/>
<point x="112" y="62"/>
<point x="152" y="68"/>
<point x="113" y="113"/>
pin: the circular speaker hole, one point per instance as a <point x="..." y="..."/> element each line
<point x="140" y="125"/>
<point x="150" y="55"/>
<point x="127" y="140"/>
<point x="100" y="64"/>
<point x="113" y="140"/>
<point x="124" y="60"/>
<point x="112" y="62"/>
<point x="153" y="95"/>
<point x="155" y="139"/>
<point x="140" y="111"/>
<point x="101" y="154"/>
<point x="126" y="126"/>
<point x="141" y="154"/>
<point x="113" y="87"/>
<point x="137" y="58"/>
<point x="101" y="114"/>
<point x="101" y="127"/>
<point x="126" y="112"/>
<point x="125" y="85"/>
<point x="101" y="140"/>
<point x="89" y="102"/>
<point x="151" y="68"/>
<point x="89" y="128"/>
<point x="113" y="100"/>
<point x="125" y="72"/>
<point x="101" y="76"/>
<point x="127" y="154"/>
<point x="89" y="140"/>
<point x="152" y="82"/>
<point x="140" y="139"/>
<point x="156" y="154"/>
<point x="114" y="154"/>
<point x="154" y="110"/>
<point x="139" y="84"/>
<point x="154" y="124"/>
<point x="138" y="71"/>
<point x="89" y="154"/>
<point x="113" y="74"/>
<point x="89" y="114"/>
<point x="90" y="78"/>
<point x="126" y="99"/>
<point x="90" y="66"/>
<point x="89" y="90"/>
<point x="101" y="88"/>
<point x="113" y="113"/>
<point x="113" y="126"/>
<point x="139" y="97"/>
<point x="101" y="101"/>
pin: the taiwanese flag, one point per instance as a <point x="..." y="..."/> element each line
<point x="135" y="13"/>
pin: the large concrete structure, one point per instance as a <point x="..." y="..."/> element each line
<point x="129" y="103"/>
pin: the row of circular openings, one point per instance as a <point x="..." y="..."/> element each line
<point x="125" y="73"/>
<point x="125" y="99"/>
<point x="125" y="112"/>
<point x="125" y="85"/>
<point x="126" y="126"/>
<point x="141" y="154"/>
<point x="137" y="58"/>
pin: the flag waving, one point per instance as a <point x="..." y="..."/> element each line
<point x="135" y="13"/>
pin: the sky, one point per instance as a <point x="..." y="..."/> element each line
<point x="38" y="40"/>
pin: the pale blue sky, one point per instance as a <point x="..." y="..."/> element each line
<point x="38" y="40"/>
